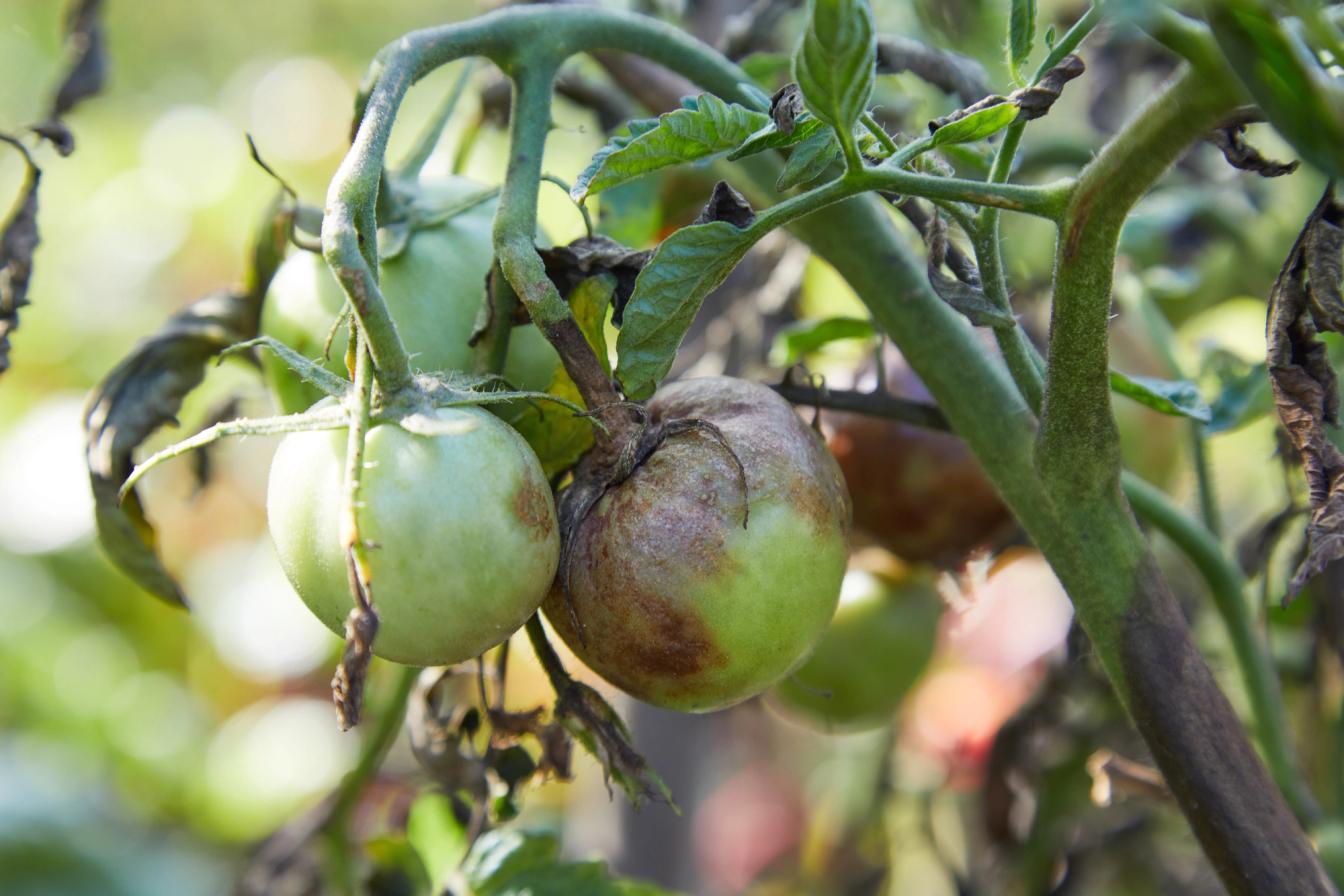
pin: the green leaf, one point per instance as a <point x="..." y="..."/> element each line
<point x="557" y="436"/>
<point x="976" y="126"/>
<point x="809" y="161"/>
<point x="1295" y="93"/>
<point x="706" y="127"/>
<point x="805" y="337"/>
<point x="1021" y="34"/>
<point x="517" y="863"/>
<point x="1244" y="393"/>
<point x="668" y="293"/>
<point x="502" y="854"/>
<point x="771" y="137"/>
<point x="436" y="836"/>
<point x="1178" y="398"/>
<point x="836" y="61"/>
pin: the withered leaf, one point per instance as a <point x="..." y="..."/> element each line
<point x="86" y="74"/>
<point x="726" y="204"/>
<point x="568" y="266"/>
<point x="1231" y="141"/>
<point x="1306" y="300"/>
<point x="141" y="394"/>
<point x="962" y="291"/>
<point x="785" y="106"/>
<point x="591" y="721"/>
<point x="18" y="241"/>
<point x="1036" y="100"/>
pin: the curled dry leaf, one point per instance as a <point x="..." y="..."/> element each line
<point x="727" y="205"/>
<point x="1231" y="141"/>
<point x="141" y="394"/>
<point x="1036" y="100"/>
<point x="18" y="241"/>
<point x="568" y="266"/>
<point x="1306" y="300"/>
<point x="785" y="107"/>
<point x="85" y="76"/>
<point x="1031" y="102"/>
<point x="963" y="292"/>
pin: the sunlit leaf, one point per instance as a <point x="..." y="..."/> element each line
<point x="706" y="127"/>
<point x="977" y="125"/>
<point x="836" y="61"/>
<point x="668" y="293"/>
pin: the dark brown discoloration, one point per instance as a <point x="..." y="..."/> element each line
<point x="1236" y="811"/>
<point x="532" y="505"/>
<point x="646" y="559"/>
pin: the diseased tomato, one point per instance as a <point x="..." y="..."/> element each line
<point x="434" y="289"/>
<point x="918" y="493"/>
<point x="876" y="648"/>
<point x="463" y="522"/>
<point x="678" y="603"/>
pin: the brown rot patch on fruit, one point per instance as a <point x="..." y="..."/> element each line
<point x="677" y="644"/>
<point x="532" y="505"/>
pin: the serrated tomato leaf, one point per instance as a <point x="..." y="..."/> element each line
<point x="1177" y="398"/>
<point x="668" y="293"/>
<point x="705" y="127"/>
<point x="835" y="62"/>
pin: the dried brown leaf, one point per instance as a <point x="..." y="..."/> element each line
<point x="18" y="241"/>
<point x="1306" y="300"/>
<point x="1231" y="141"/>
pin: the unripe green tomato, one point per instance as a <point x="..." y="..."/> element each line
<point x="433" y="288"/>
<point x="463" y="523"/>
<point x="680" y="604"/>
<point x="876" y="648"/>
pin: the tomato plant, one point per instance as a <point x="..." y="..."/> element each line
<point x="700" y="524"/>
<point x="445" y="505"/>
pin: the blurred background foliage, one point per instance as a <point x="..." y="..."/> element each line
<point x="144" y="750"/>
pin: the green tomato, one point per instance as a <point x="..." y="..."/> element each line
<point x="464" y="523"/>
<point x="878" y="645"/>
<point x="434" y="289"/>
<point x="678" y="602"/>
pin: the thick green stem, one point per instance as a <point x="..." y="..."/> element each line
<point x="1227" y="585"/>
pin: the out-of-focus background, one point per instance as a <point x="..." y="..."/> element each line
<point x="143" y="750"/>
